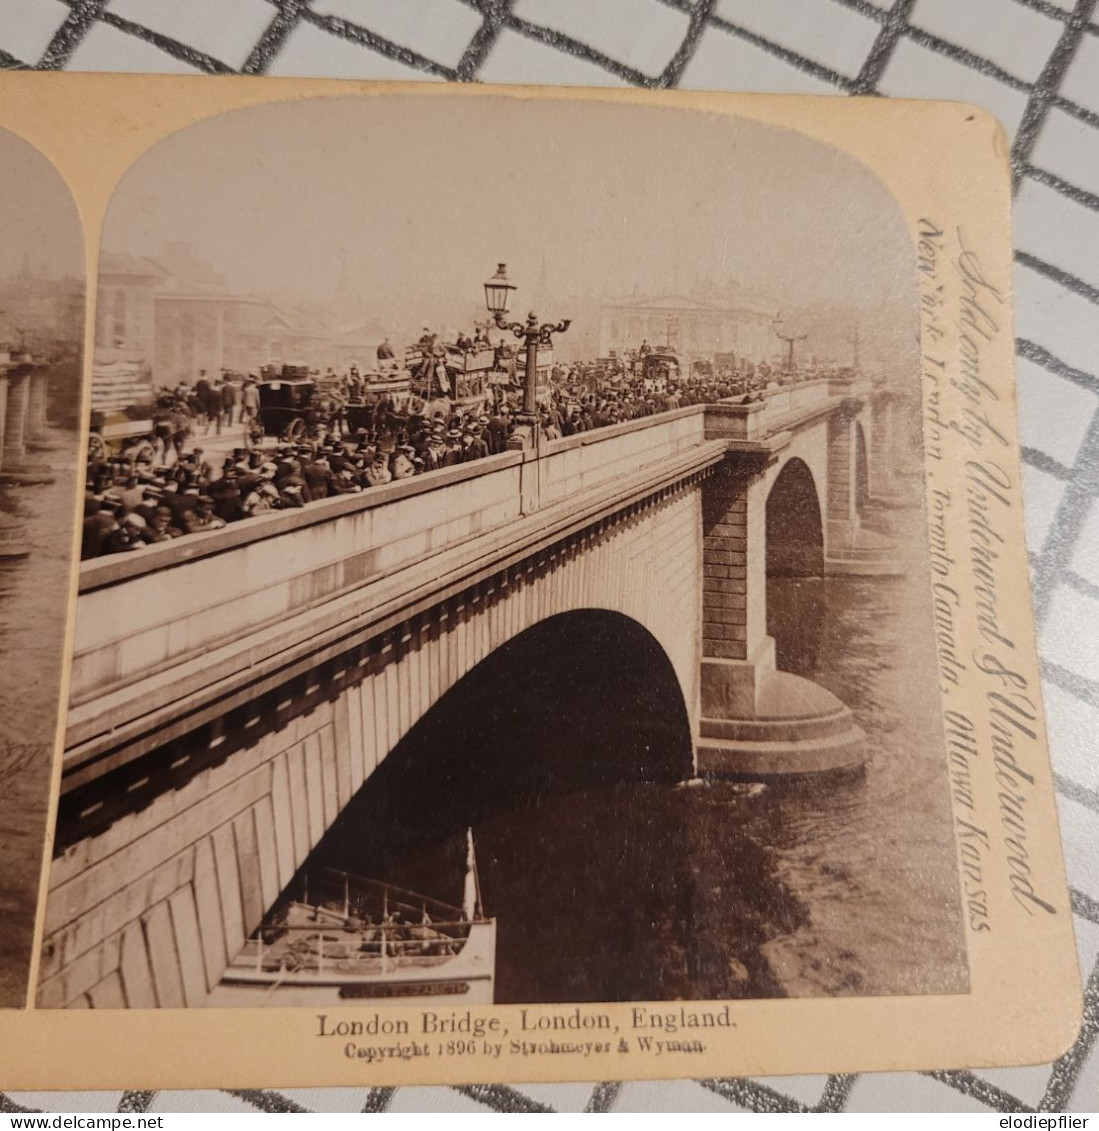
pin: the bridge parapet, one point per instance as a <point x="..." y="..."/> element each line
<point x="779" y="409"/>
<point x="155" y="625"/>
<point x="591" y="459"/>
<point x="158" y="607"/>
<point x="234" y="690"/>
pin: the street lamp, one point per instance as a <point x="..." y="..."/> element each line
<point x="497" y="294"/>
<point x="779" y="325"/>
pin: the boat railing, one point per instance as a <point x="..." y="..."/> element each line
<point x="357" y="893"/>
<point x="366" y="941"/>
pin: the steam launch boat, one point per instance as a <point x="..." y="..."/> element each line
<point x="347" y="939"/>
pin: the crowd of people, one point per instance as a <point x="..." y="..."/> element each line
<point x="133" y="502"/>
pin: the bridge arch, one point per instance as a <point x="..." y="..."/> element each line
<point x="581" y="699"/>
<point x="794" y="566"/>
<point x="794" y="526"/>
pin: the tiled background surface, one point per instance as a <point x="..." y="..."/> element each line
<point x="1034" y="63"/>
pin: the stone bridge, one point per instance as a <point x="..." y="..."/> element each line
<point x="233" y="692"/>
<point x="24" y="392"/>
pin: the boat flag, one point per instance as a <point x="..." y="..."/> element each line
<point x="471" y="900"/>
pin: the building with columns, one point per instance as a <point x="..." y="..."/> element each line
<point x="697" y="326"/>
<point x="163" y="327"/>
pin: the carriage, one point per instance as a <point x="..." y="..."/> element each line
<point x="289" y="407"/>
<point x="661" y="368"/>
<point x="390" y="382"/>
<point x="123" y="432"/>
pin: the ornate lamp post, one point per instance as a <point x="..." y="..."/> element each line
<point x="497" y="294"/>
<point x="788" y="338"/>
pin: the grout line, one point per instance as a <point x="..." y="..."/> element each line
<point x="378" y="1100"/>
<point x="1031" y="351"/>
<point x="1063" y="278"/>
<point x="1074" y="791"/>
<point x="802" y="62"/>
<point x="1035" y="457"/>
<point x="971" y="59"/>
<point x="83" y="13"/>
<point x="1084" y="906"/>
<point x="266" y="1099"/>
<point x="355" y="33"/>
<point x="1084" y="689"/>
<point x="135" y="1102"/>
<point x="169" y="46"/>
<point x="836" y="1093"/>
<point x="603" y="1098"/>
<point x="878" y="15"/>
<point x="894" y="26"/>
<point x="494" y="13"/>
<point x="1048" y="83"/>
<point x="973" y="1086"/>
<point x="1066" y="1070"/>
<point x="1081" y="196"/>
<point x="1062" y="536"/>
<point x="1080" y="584"/>
<point x="578" y="50"/>
<point x="502" y="1098"/>
<point x="1089" y="117"/>
<point x="1045" y="8"/>
<point x="753" y="1095"/>
<point x="271" y="42"/>
<point x="700" y="16"/>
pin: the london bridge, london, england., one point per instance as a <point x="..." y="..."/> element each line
<point x="607" y="627"/>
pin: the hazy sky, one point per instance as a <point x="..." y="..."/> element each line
<point x="425" y="196"/>
<point x="37" y="215"/>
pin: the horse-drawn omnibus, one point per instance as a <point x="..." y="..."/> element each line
<point x="288" y="406"/>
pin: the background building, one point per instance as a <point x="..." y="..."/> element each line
<point x="696" y="325"/>
<point x="161" y="322"/>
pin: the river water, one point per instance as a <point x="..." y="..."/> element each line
<point x="647" y="891"/>
<point x="33" y="602"/>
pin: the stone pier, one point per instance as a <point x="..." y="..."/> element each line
<point x="23" y="426"/>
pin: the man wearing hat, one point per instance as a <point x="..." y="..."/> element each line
<point x="452" y="453"/>
<point x="125" y="535"/>
<point x="150" y="501"/>
<point x="318" y="477"/>
<point x="202" y="518"/>
<point x="436" y="446"/>
<point x="475" y="446"/>
<point x="260" y="498"/>
<point x="96" y="528"/>
<point x="345" y="482"/>
<point x="291" y="494"/>
<point x="159" y="528"/>
<point x="378" y="474"/>
<point x="496" y="431"/>
<point x="226" y="495"/>
<point x="402" y="466"/>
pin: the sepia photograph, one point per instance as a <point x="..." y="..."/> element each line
<point x="505" y="573"/>
<point x="41" y="339"/>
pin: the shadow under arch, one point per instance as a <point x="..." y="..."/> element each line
<point x="551" y="750"/>
<point x="795" y="568"/>
<point x="580" y="700"/>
